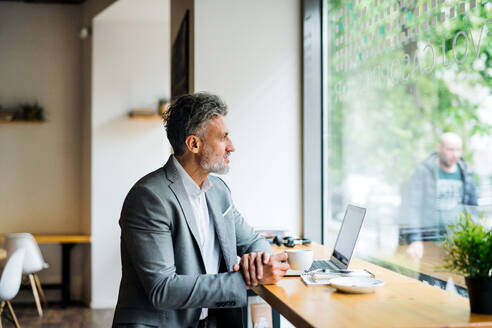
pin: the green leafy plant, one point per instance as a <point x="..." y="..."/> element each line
<point x="31" y="112"/>
<point x="468" y="249"/>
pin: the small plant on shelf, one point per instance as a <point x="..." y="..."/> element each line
<point x="162" y="106"/>
<point x="31" y="112"/>
<point x="6" y="114"/>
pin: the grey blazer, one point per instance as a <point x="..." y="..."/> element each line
<point x="164" y="282"/>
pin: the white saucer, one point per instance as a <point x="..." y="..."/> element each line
<point x="293" y="273"/>
<point x="356" y="285"/>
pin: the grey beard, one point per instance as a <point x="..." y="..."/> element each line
<point x="219" y="167"/>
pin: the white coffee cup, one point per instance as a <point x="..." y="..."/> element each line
<point x="299" y="259"/>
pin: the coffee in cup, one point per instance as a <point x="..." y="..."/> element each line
<point x="299" y="259"/>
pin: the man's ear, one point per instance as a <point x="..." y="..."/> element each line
<point x="438" y="147"/>
<point x="194" y="144"/>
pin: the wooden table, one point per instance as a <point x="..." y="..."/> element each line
<point x="402" y="302"/>
<point x="67" y="241"/>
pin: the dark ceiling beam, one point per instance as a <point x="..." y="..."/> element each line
<point x="63" y="2"/>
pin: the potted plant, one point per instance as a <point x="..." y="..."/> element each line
<point x="162" y="106"/>
<point x="468" y="251"/>
<point x="6" y="114"/>
<point x="32" y="112"/>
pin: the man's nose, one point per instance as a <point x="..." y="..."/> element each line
<point x="230" y="147"/>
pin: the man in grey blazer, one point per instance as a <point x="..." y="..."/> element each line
<point x="181" y="234"/>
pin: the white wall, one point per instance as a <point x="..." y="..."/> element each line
<point x="130" y="69"/>
<point x="248" y="52"/>
<point x="90" y="9"/>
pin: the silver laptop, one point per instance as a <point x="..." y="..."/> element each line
<point x="345" y="244"/>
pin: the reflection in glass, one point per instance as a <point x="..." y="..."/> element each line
<point x="408" y="124"/>
<point x="438" y="192"/>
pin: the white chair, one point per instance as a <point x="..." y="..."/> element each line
<point x="10" y="282"/>
<point x="33" y="262"/>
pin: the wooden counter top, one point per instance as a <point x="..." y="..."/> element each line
<point x="402" y="302"/>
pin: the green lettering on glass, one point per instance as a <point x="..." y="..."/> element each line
<point x="455" y="41"/>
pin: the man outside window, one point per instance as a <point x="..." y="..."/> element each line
<point x="181" y="234"/>
<point x="436" y="193"/>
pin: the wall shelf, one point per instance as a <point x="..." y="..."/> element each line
<point x="22" y="122"/>
<point x="147" y="114"/>
<point x="146" y="117"/>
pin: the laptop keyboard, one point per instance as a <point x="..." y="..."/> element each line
<point x="322" y="264"/>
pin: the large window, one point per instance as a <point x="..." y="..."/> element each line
<point x="407" y="125"/>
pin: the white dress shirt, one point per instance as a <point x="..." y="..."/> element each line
<point x="208" y="242"/>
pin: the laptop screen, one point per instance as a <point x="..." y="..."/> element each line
<point x="347" y="237"/>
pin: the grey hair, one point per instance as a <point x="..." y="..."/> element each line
<point x="188" y="115"/>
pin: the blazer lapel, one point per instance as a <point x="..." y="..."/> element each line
<point x="224" y="238"/>
<point x="179" y="191"/>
